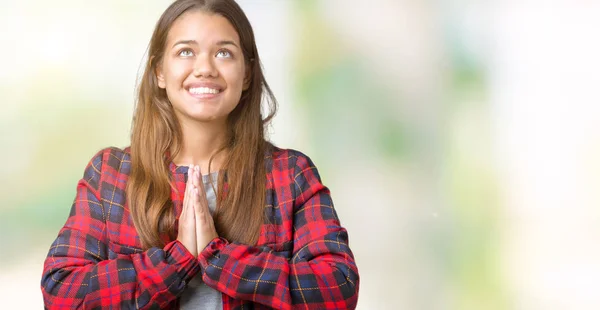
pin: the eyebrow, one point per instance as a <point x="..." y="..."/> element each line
<point x="194" y="42"/>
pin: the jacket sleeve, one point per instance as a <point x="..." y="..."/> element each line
<point x="79" y="274"/>
<point x="321" y="274"/>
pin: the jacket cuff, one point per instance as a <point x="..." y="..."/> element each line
<point x="178" y="256"/>
<point x="211" y="252"/>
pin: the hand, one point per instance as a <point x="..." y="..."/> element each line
<point x="205" y="225"/>
<point x="187" y="219"/>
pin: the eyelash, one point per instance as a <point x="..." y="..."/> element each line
<point x="184" y="50"/>
<point x="230" y="55"/>
<point x="225" y="51"/>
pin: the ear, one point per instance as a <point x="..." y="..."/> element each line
<point x="247" y="78"/>
<point x="159" y="75"/>
<point x="246" y="84"/>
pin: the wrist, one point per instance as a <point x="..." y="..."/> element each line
<point x="207" y="243"/>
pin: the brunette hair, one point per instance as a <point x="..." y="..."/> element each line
<point x="156" y="139"/>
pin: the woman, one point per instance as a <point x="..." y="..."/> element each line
<point x="149" y="230"/>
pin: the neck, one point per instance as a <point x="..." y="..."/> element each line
<point x="200" y="142"/>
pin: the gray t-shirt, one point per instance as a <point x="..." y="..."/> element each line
<point x="198" y="295"/>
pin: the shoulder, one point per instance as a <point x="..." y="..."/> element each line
<point x="112" y="157"/>
<point x="294" y="170"/>
<point x="291" y="161"/>
<point x="111" y="160"/>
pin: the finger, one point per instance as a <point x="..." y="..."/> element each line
<point x="202" y="212"/>
<point x="197" y="184"/>
<point x="201" y="190"/>
<point x="190" y="180"/>
<point x="201" y="201"/>
<point x="185" y="201"/>
<point x="186" y="194"/>
<point x="196" y="179"/>
<point x="198" y="199"/>
<point x="198" y="208"/>
<point x="188" y="199"/>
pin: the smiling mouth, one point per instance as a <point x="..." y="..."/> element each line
<point x="203" y="91"/>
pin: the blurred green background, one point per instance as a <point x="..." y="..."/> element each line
<point x="459" y="138"/>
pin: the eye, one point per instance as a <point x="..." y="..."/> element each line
<point x="186" y="53"/>
<point x="224" y="54"/>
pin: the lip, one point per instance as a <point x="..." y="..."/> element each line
<point x="204" y="84"/>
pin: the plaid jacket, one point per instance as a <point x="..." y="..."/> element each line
<point x="301" y="261"/>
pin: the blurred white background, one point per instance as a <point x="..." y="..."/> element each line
<point x="459" y="138"/>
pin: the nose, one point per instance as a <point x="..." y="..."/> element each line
<point x="204" y="66"/>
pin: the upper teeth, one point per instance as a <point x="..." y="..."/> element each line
<point x="203" y="90"/>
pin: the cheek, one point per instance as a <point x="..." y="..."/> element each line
<point x="175" y="73"/>
<point x="235" y="77"/>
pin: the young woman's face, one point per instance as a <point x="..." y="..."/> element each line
<point x="203" y="67"/>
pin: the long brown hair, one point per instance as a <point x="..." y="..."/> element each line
<point x="156" y="139"/>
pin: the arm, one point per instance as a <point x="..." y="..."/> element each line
<point x="77" y="272"/>
<point x="321" y="274"/>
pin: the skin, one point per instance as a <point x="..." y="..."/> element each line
<point x="196" y="225"/>
<point x="202" y="49"/>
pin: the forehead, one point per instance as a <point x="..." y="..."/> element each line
<point x="206" y="28"/>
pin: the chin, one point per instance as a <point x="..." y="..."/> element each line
<point x="204" y="118"/>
